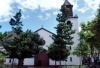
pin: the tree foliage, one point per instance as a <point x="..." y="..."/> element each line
<point x="89" y="38"/>
<point x="58" y="50"/>
<point x="16" y="23"/>
<point x="95" y="29"/>
<point x="26" y="45"/>
<point x="23" y="44"/>
<point x="83" y="48"/>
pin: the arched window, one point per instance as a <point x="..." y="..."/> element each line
<point x="69" y="23"/>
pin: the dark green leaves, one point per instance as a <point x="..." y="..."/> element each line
<point x="16" y="23"/>
<point x="58" y="50"/>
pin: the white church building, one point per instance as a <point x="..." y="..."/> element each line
<point x="42" y="59"/>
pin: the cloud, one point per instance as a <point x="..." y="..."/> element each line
<point x="28" y="4"/>
<point x="44" y="4"/>
<point x="6" y="9"/>
<point x="90" y="5"/>
<point x="92" y="16"/>
<point x="25" y="16"/>
<point x="40" y="16"/>
<point x="55" y="12"/>
<point x="8" y="6"/>
<point x="47" y="16"/>
<point x="74" y="3"/>
<point x="44" y="17"/>
<point x="83" y="10"/>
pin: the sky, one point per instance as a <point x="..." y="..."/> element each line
<point x="43" y="13"/>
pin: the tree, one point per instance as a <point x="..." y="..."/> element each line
<point x="58" y="50"/>
<point x="3" y="36"/>
<point x="91" y="35"/>
<point x="24" y="44"/>
<point x="82" y="50"/>
<point x="2" y="51"/>
<point x="94" y="41"/>
<point x="16" y="23"/>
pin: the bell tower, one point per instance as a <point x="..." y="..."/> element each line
<point x="69" y="6"/>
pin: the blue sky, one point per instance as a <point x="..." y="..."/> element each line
<point x="38" y="13"/>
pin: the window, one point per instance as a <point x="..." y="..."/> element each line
<point x="69" y="23"/>
<point x="71" y="59"/>
<point x="70" y="47"/>
<point x="9" y="60"/>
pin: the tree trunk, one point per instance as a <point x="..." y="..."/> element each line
<point x="94" y="62"/>
<point x="60" y="61"/>
<point x="12" y="61"/>
<point x="55" y="64"/>
<point x="80" y="62"/>
<point x="20" y="62"/>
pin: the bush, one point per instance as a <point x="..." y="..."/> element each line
<point x="8" y="66"/>
<point x="83" y="66"/>
<point x="5" y="66"/>
<point x="2" y="57"/>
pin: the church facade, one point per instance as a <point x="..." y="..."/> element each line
<point x="42" y="60"/>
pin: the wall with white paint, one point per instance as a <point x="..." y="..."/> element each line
<point x="27" y="61"/>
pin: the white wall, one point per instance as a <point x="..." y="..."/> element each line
<point x="9" y="63"/>
<point x="27" y="61"/>
<point x="75" y="59"/>
<point x="46" y="36"/>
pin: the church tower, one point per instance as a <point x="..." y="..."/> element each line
<point x="72" y="59"/>
<point x="69" y="6"/>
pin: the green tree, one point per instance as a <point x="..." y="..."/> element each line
<point x="91" y="34"/>
<point x="16" y="23"/>
<point x="58" y="50"/>
<point x="94" y="41"/>
<point x="83" y="49"/>
<point x="3" y="36"/>
<point x="24" y="44"/>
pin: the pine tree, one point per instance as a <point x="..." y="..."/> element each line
<point x="16" y="23"/>
<point x="58" y="50"/>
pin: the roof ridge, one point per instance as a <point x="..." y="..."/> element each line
<point x="44" y="29"/>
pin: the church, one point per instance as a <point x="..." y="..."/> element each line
<point x="42" y="60"/>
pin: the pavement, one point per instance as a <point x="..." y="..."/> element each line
<point x="97" y="66"/>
